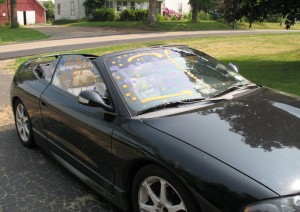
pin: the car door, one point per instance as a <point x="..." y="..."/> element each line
<point x="79" y="136"/>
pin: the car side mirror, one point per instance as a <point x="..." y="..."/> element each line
<point x="233" y="67"/>
<point x="92" y="99"/>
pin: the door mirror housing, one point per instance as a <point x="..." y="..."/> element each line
<point x="233" y="67"/>
<point x="93" y="99"/>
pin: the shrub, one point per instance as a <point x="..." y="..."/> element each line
<point x="170" y="14"/>
<point x="64" y="21"/>
<point x="205" y="16"/>
<point x="49" y="10"/>
<point x="133" y="15"/>
<point x="159" y="17"/>
<point x="104" y="14"/>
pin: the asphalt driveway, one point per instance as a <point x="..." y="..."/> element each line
<point x="29" y="179"/>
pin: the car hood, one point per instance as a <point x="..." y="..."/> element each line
<point x="257" y="134"/>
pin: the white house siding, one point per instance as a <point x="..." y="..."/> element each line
<point x="179" y="6"/>
<point x="67" y="11"/>
<point x="142" y="5"/>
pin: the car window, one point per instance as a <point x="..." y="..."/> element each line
<point x="76" y="73"/>
<point x="45" y="68"/>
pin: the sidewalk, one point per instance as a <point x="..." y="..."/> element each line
<point x="40" y="47"/>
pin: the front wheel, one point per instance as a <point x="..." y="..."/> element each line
<point x="157" y="190"/>
<point x="23" y="124"/>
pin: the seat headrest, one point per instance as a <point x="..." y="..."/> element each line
<point x="83" y="78"/>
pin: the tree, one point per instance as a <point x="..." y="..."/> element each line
<point x="13" y="17"/>
<point x="208" y="6"/>
<point x="259" y="10"/>
<point x="201" y="5"/>
<point x="49" y="10"/>
<point x="91" y="6"/>
<point x="195" y="9"/>
<point x="151" y="18"/>
<point x="13" y="12"/>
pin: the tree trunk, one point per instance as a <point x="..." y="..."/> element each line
<point x="13" y="12"/>
<point x="151" y="12"/>
<point x="195" y="11"/>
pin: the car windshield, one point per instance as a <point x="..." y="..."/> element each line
<point x="161" y="76"/>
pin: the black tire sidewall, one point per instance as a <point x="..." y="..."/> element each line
<point x="30" y="142"/>
<point x="154" y="170"/>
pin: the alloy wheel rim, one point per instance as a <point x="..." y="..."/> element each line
<point x="22" y="122"/>
<point x="157" y="195"/>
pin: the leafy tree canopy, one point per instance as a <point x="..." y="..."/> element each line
<point x="91" y="6"/>
<point x="259" y="10"/>
<point x="49" y="10"/>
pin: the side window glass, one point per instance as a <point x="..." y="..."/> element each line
<point x="44" y="67"/>
<point x="76" y="73"/>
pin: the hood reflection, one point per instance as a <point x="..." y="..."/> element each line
<point x="259" y="124"/>
<point x="249" y="133"/>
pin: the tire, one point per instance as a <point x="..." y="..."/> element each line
<point x="23" y="124"/>
<point x="149" y="186"/>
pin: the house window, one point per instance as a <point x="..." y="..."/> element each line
<point x="72" y="8"/>
<point x="180" y="8"/>
<point x="121" y="5"/>
<point x="109" y="4"/>
<point x="132" y="5"/>
<point x="158" y="7"/>
<point x="58" y="9"/>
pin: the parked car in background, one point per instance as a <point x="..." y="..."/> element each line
<point x="163" y="128"/>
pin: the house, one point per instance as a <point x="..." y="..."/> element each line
<point x="74" y="9"/>
<point x="69" y="9"/>
<point x="179" y="6"/>
<point x="28" y="12"/>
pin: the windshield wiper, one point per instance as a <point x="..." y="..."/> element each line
<point x="233" y="88"/>
<point x="170" y="105"/>
<point x="192" y="100"/>
<point x="159" y="107"/>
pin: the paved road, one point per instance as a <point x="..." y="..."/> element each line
<point x="32" y="181"/>
<point x="48" y="46"/>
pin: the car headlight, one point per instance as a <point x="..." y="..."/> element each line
<point x="284" y="204"/>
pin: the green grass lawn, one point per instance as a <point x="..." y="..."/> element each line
<point x="182" y="25"/>
<point x="8" y="35"/>
<point x="257" y="25"/>
<point x="270" y="59"/>
<point x="160" y="26"/>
